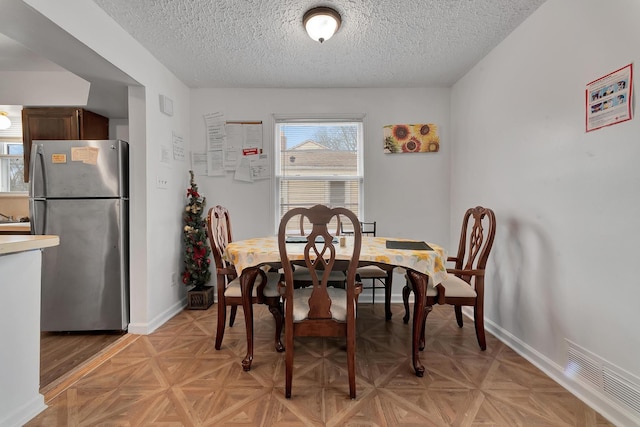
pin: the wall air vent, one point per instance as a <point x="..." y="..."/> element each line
<point x="584" y="367"/>
<point x="619" y="388"/>
<point x="605" y="378"/>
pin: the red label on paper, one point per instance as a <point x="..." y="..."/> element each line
<point x="249" y="151"/>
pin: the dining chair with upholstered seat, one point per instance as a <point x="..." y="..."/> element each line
<point x="320" y="310"/>
<point x="381" y="278"/>
<point x="265" y="288"/>
<point x="301" y="275"/>
<point x="464" y="285"/>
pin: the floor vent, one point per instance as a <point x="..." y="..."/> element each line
<point x="609" y="380"/>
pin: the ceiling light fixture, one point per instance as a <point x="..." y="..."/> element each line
<point x="321" y="23"/>
<point x="5" y="123"/>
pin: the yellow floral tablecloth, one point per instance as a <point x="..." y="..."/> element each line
<point x="264" y="250"/>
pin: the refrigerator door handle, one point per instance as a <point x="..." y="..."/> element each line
<point x="37" y="207"/>
<point x="37" y="175"/>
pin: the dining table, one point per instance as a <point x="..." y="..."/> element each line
<point x="424" y="258"/>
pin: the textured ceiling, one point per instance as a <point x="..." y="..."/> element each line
<point x="262" y="43"/>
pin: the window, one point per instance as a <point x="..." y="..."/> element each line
<point x="11" y="167"/>
<point x="318" y="161"/>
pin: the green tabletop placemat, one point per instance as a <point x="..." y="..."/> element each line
<point x="412" y="245"/>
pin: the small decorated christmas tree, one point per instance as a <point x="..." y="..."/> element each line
<point x="196" y="248"/>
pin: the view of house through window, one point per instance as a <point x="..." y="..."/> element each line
<point x="318" y="162"/>
<point x="11" y="167"/>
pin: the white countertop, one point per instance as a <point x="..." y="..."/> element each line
<point x="17" y="243"/>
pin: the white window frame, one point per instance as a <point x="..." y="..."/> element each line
<point x="317" y="118"/>
<point x="4" y="170"/>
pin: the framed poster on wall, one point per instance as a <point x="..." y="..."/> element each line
<point x="411" y="138"/>
<point x="608" y="99"/>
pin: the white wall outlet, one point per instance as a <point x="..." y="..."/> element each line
<point x="162" y="182"/>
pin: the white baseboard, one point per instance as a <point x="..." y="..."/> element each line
<point x="159" y="320"/>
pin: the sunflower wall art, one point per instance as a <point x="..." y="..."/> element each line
<point x="411" y="138"/>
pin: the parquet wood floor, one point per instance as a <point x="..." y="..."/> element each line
<point x="175" y="377"/>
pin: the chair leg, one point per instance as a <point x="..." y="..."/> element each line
<point x="351" y="358"/>
<point x="232" y="316"/>
<point x="405" y="299"/>
<point x="458" y="310"/>
<point x="479" y="321"/>
<point x="222" y="319"/>
<point x="288" y="349"/>
<point x="276" y="310"/>
<point x="373" y="291"/>
<point x="427" y="310"/>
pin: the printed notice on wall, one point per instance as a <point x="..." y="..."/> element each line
<point x="199" y="163"/>
<point x="214" y="123"/>
<point x="164" y="154"/>
<point x="608" y="99"/>
<point x="253" y="165"/>
<point x="178" y="147"/>
<point x="235" y="146"/>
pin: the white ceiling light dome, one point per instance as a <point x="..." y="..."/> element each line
<point x="5" y="123"/>
<point x="321" y="23"/>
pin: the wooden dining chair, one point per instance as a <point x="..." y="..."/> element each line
<point x="464" y="285"/>
<point x="320" y="310"/>
<point x="301" y="275"/>
<point x="265" y="289"/>
<point x="381" y="278"/>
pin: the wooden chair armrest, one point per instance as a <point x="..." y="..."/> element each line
<point x="282" y="286"/>
<point x="226" y="270"/>
<point x="452" y="259"/>
<point x="358" y="288"/>
<point x="459" y="272"/>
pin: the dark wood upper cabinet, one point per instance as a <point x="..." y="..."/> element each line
<point x="60" y="123"/>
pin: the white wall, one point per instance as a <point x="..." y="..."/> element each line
<point x="20" y="337"/>
<point x="43" y="88"/>
<point x="566" y="201"/>
<point x="407" y="194"/>
<point x="156" y="214"/>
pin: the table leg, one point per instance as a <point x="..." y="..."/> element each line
<point x="388" y="281"/>
<point x="247" y="279"/>
<point x="419" y="282"/>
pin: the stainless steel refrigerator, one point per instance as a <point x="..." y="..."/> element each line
<point x="79" y="190"/>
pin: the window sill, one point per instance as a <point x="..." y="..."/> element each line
<point x="16" y="195"/>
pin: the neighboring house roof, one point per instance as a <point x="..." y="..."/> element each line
<point x="310" y="154"/>
<point x="308" y="144"/>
